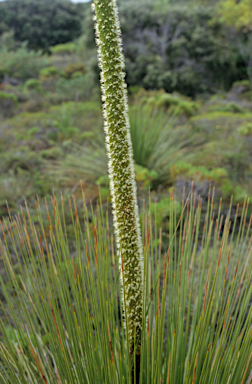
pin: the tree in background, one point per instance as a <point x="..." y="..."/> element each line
<point x="238" y="14"/>
<point x="42" y="23"/>
<point x="176" y="48"/>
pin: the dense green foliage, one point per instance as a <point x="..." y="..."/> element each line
<point x="51" y="132"/>
<point x="42" y="23"/>
<point x="184" y="46"/>
<point x="236" y="13"/>
<point x="61" y="310"/>
<point x="21" y="63"/>
<point x="177" y="48"/>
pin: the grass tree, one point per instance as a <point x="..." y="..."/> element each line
<point x="121" y="165"/>
<point x="187" y="311"/>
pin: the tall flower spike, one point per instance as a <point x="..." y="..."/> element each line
<point x="121" y="165"/>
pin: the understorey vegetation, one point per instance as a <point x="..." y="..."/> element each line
<point x="126" y="236"/>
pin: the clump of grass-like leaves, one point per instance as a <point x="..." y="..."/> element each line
<point x="63" y="313"/>
<point x="151" y="130"/>
<point x="157" y="145"/>
<point x="156" y="140"/>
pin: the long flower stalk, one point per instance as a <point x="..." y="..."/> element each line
<point x="121" y="164"/>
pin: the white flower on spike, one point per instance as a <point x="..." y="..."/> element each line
<point x="120" y="164"/>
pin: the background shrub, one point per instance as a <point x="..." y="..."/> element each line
<point x="42" y="24"/>
<point x="7" y="103"/>
<point x="32" y="84"/>
<point x="63" y="49"/>
<point x="177" y="47"/>
<point x="21" y="63"/>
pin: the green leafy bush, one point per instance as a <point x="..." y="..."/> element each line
<point x="63" y="49"/>
<point x="36" y="103"/>
<point x="32" y="84"/>
<point x="144" y="177"/>
<point x="42" y="24"/>
<point x="227" y="107"/>
<point x="245" y="130"/>
<point x="176" y="104"/>
<point x="76" y="74"/>
<point x="218" y="176"/>
<point x="7" y="40"/>
<point x="74" y="68"/>
<point x="224" y="145"/>
<point x="241" y="194"/>
<point x="76" y="88"/>
<point x="176" y="48"/>
<point x="32" y="131"/>
<point x="49" y="72"/>
<point x="184" y="168"/>
<point x="21" y="63"/>
<point x="8" y="96"/>
<point x="7" y="103"/>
